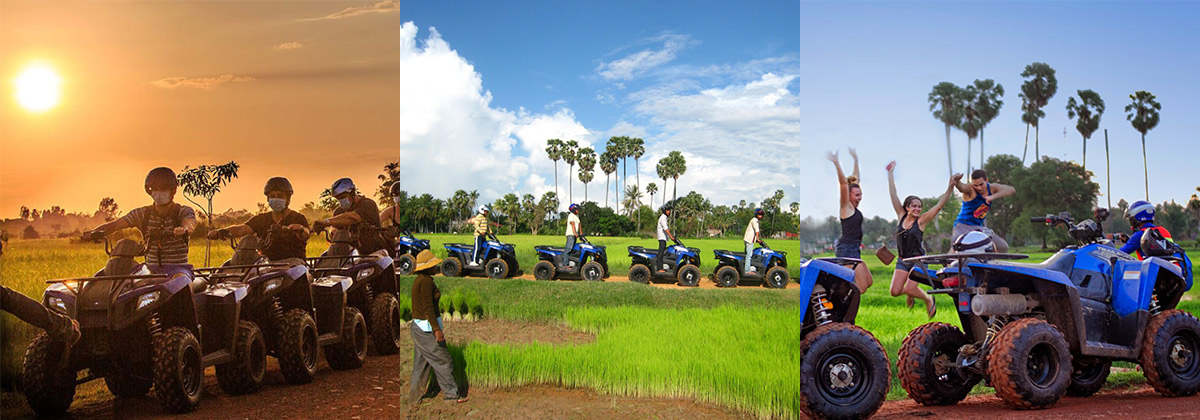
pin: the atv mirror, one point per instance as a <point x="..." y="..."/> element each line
<point x="1101" y="214"/>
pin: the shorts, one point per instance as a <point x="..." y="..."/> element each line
<point x="847" y="250"/>
<point x="901" y="265"/>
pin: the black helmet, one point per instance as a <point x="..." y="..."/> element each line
<point x="758" y="212"/>
<point x="341" y="186"/>
<point x="278" y="184"/>
<point x="665" y="208"/>
<point x="1154" y="244"/>
<point x="395" y="189"/>
<point x="161" y="178"/>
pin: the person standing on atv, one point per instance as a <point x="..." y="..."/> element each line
<point x="573" y="227"/>
<point x="751" y="237"/>
<point x="358" y="213"/>
<point x="165" y="225"/>
<point x="664" y="232"/>
<point x="283" y="231"/>
<point x="483" y="228"/>
<point x="429" y="341"/>
<point x="1141" y="219"/>
<point x="977" y="201"/>
<point x="848" y="245"/>
<point x="909" y="238"/>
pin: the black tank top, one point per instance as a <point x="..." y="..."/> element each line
<point x="910" y="240"/>
<point x="852" y="229"/>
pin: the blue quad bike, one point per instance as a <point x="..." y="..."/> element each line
<point x="407" y="248"/>
<point x="770" y="265"/>
<point x="370" y="287"/>
<point x="844" y="371"/>
<point x="585" y="261"/>
<point x="140" y="329"/>
<point x="500" y="260"/>
<point x="1038" y="331"/>
<point x="679" y="263"/>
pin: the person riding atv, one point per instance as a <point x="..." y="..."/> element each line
<point x="752" y="237"/>
<point x="483" y="229"/>
<point x="284" y="231"/>
<point x="357" y="213"/>
<point x="168" y="255"/>
<point x="664" y="232"/>
<point x="1141" y="219"/>
<point x="574" y="228"/>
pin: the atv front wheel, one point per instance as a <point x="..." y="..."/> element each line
<point x="1171" y="353"/>
<point x="296" y="347"/>
<point x="405" y="264"/>
<point x="846" y="370"/>
<point x="244" y="374"/>
<point x="351" y="351"/>
<point x="544" y="270"/>
<point x="49" y="384"/>
<point x="1029" y="364"/>
<point x="777" y="278"/>
<point x="688" y="276"/>
<point x="926" y="361"/>
<point x="497" y="268"/>
<point x="178" y="370"/>
<point x="386" y="324"/>
<point x="727" y="276"/>
<point x="592" y="271"/>
<point x="639" y="273"/>
<point x="1088" y="377"/>
<point x="451" y="267"/>
<point x="127" y="386"/>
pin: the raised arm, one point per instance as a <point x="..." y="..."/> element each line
<point x="843" y="188"/>
<point x="896" y="205"/>
<point x="854" y="155"/>
<point x="963" y="187"/>
<point x="1000" y="190"/>
<point x="937" y="208"/>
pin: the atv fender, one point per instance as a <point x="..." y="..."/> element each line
<point x="1134" y="283"/>
<point x="813" y="271"/>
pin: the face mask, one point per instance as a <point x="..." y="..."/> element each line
<point x="344" y="203"/>
<point x="160" y="197"/>
<point x="277" y="204"/>
<point x="396" y="200"/>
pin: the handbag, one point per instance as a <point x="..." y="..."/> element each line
<point x="885" y="255"/>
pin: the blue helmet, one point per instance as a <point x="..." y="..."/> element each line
<point x="1140" y="212"/>
<point x="573" y="208"/>
<point x="758" y="212"/>
<point x="341" y="186"/>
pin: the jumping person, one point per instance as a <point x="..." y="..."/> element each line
<point x="58" y="326"/>
<point x="358" y="213"/>
<point x="850" y="195"/>
<point x="482" y="229"/>
<point x="429" y="341"/>
<point x="573" y="227"/>
<point x="1141" y="219"/>
<point x="290" y="236"/>
<point x="166" y="251"/>
<point x="909" y="237"/>
<point x="664" y="231"/>
<point x="977" y="201"/>
<point x="751" y="237"/>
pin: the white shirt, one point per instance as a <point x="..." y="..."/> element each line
<point x="751" y="230"/>
<point x="662" y="227"/>
<point x="573" y="218"/>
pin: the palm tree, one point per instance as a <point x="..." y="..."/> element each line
<point x="987" y="106"/>
<point x="664" y="172"/>
<point x="678" y="166"/>
<point x="608" y="164"/>
<point x="1030" y="117"/>
<point x="1038" y="89"/>
<point x="1088" y="109"/>
<point x="651" y="189"/>
<point x="636" y="148"/>
<point x="585" y="176"/>
<point x="795" y="208"/>
<point x="1143" y="115"/>
<point x="554" y="150"/>
<point x="614" y="148"/>
<point x="970" y="121"/>
<point x="570" y="153"/>
<point x="943" y="101"/>
<point x="632" y="197"/>
<point x="587" y="166"/>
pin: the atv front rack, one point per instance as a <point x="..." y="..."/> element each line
<point x="961" y="261"/>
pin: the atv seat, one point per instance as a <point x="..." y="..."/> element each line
<point x="736" y="254"/>
<point x="645" y="250"/>
<point x="460" y="245"/>
<point x="557" y="249"/>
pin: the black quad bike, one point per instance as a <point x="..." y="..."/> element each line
<point x="370" y="287"/>
<point x="141" y="329"/>
<point x="585" y="261"/>
<point x="770" y="265"/>
<point x="407" y="248"/>
<point x="1038" y="331"/>
<point x="500" y="260"/>
<point x="679" y="263"/>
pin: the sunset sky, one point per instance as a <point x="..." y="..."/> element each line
<point x="307" y="90"/>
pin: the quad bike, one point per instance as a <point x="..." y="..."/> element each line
<point x="844" y="371"/>
<point x="500" y="260"/>
<point x="1038" y="331"/>
<point x="771" y="266"/>
<point x="370" y="288"/>
<point x="679" y="263"/>
<point x="407" y="248"/>
<point x="143" y="327"/>
<point x="586" y="261"/>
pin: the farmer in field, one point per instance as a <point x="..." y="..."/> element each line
<point x="664" y="231"/>
<point x="165" y="226"/>
<point x="1141" y="219"/>
<point x="482" y="229"/>
<point x="429" y="341"/>
<point x="60" y="327"/>
<point x="283" y="231"/>
<point x="977" y="201"/>
<point x="573" y="227"/>
<point x="909" y="237"/>
<point x="850" y="195"/>
<point x="751" y="237"/>
<point x="356" y="213"/>
<point x="390" y="216"/>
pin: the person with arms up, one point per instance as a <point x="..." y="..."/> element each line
<point x="849" y="244"/>
<point x="283" y="232"/>
<point x="910" y="235"/>
<point x="977" y="201"/>
<point x="429" y="339"/>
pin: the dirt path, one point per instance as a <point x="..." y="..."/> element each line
<point x="1140" y="403"/>
<point x="705" y="283"/>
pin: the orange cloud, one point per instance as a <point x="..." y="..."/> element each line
<point x="289" y="46"/>
<point x="386" y="6"/>
<point x="199" y="82"/>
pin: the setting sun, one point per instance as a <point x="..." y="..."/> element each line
<point x="38" y="88"/>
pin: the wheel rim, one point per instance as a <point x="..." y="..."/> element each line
<point x="729" y="279"/>
<point x="360" y="339"/>
<point x="1042" y="365"/>
<point x="193" y="371"/>
<point x="638" y="276"/>
<point x="777" y="280"/>
<point x="395" y="322"/>
<point x="1087" y="372"/>
<point x="405" y="265"/>
<point x="1182" y="357"/>
<point x="843" y="377"/>
<point x="309" y="347"/>
<point x="258" y="358"/>
<point x="593" y="274"/>
<point x="543" y="272"/>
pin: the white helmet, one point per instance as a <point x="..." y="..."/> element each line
<point x="483" y="208"/>
<point x="974" y="242"/>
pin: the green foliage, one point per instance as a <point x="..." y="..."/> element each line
<point x="1052" y="186"/>
<point x="390" y="175"/>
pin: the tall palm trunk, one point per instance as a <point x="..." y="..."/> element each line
<point x="981" y="161"/>
<point x="1145" y="169"/>
<point x="639" y="176"/>
<point x="968" y="155"/>
<point x="1037" y="142"/>
<point x="1085" y="155"/>
<point x="585" y="192"/>
<point x="1026" y="151"/>
<point x="606" y="178"/>
<point x="949" y="159"/>
<point x="556" y="178"/>
<point x="1107" y="176"/>
<point x="571" y="183"/>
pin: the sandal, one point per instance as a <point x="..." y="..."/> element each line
<point x="456" y="400"/>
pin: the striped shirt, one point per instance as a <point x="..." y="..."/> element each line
<point x="481" y="224"/>
<point x="173" y="250"/>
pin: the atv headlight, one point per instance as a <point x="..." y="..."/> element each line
<point x="57" y="303"/>
<point x="366" y="272"/>
<point x="272" y="284"/>
<point x="147" y="299"/>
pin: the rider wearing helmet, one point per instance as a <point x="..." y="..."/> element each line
<point x="357" y="213"/>
<point x="664" y="231"/>
<point x="1141" y="218"/>
<point x="574" y="229"/>
<point x="165" y="225"/>
<point x="751" y="237"/>
<point x="283" y="231"/>
<point x="482" y="229"/>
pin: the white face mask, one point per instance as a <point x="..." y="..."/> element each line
<point x="344" y="203"/>
<point x="277" y="204"/>
<point x="160" y="197"/>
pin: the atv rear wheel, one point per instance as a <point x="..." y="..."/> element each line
<point x="351" y="351"/>
<point x="405" y="264"/>
<point x="49" y="385"/>
<point x="244" y="374"/>
<point x="639" y="273"/>
<point x="727" y="276"/>
<point x="451" y="267"/>
<point x="1088" y="377"/>
<point x="386" y="324"/>
<point x="849" y="370"/>
<point x="1171" y="353"/>
<point x="777" y="278"/>
<point x="1029" y="364"/>
<point x="688" y="276"/>
<point x="178" y="370"/>
<point x="925" y="364"/>
<point x="592" y="271"/>
<point x="296" y="347"/>
<point x="497" y="268"/>
<point x="544" y="270"/>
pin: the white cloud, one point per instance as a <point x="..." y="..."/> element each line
<point x="387" y="6"/>
<point x="633" y="65"/>
<point x="205" y="83"/>
<point x="289" y="46"/>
